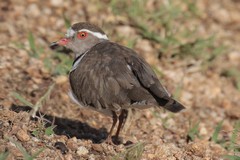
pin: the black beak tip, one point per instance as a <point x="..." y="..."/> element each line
<point x="54" y="45"/>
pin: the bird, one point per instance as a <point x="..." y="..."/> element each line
<point x="110" y="78"/>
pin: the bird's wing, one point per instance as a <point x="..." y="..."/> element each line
<point x="149" y="80"/>
<point x="146" y="76"/>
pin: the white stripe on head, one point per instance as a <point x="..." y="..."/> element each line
<point x="96" y="34"/>
<point x="70" y="33"/>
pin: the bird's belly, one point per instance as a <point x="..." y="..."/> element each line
<point x="75" y="100"/>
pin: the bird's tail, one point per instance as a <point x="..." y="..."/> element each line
<point x="173" y="106"/>
<point x="164" y="100"/>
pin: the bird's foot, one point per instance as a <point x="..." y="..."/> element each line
<point x="109" y="141"/>
<point x="113" y="140"/>
<point x="117" y="140"/>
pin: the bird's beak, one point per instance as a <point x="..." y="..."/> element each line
<point x="61" y="42"/>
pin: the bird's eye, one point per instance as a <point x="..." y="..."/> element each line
<point x="82" y="35"/>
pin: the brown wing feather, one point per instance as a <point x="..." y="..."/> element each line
<point x="149" y="80"/>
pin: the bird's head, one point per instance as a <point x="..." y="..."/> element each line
<point x="80" y="37"/>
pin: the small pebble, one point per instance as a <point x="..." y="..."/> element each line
<point x="68" y="157"/>
<point x="33" y="10"/>
<point x="72" y="144"/>
<point x="22" y="135"/>
<point x="82" y="151"/>
<point x="61" y="79"/>
<point x="61" y="146"/>
<point x="56" y="3"/>
<point x="97" y="147"/>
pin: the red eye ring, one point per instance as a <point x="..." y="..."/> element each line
<point x="82" y="35"/>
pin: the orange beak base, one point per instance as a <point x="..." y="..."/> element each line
<point x="61" y="42"/>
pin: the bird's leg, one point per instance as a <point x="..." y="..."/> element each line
<point x="122" y="119"/>
<point x="115" y="119"/>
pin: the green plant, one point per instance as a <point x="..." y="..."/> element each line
<point x="231" y="157"/>
<point x="64" y="61"/>
<point x="192" y="7"/>
<point x="49" y="130"/>
<point x="131" y="43"/>
<point x="230" y="145"/>
<point x="216" y="132"/>
<point x="157" y="71"/>
<point x="34" y="50"/>
<point x="4" y="155"/>
<point x="166" y="18"/>
<point x="41" y="130"/>
<point x="32" y="45"/>
<point x="233" y="73"/>
<point x="22" y="99"/>
<point x="193" y="132"/>
<point x="200" y="48"/>
<point x="67" y="22"/>
<point x="35" y="107"/>
<point x="131" y="153"/>
<point x="36" y="133"/>
<point x="233" y="140"/>
<point x="64" y="64"/>
<point x="178" y="90"/>
<point x="26" y="155"/>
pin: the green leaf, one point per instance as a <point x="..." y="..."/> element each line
<point x="35" y="133"/>
<point x="49" y="130"/>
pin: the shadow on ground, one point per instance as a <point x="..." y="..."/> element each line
<point x="68" y="127"/>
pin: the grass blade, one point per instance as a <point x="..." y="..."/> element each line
<point x="233" y="139"/>
<point x="216" y="132"/>
<point x="131" y="153"/>
<point x="38" y="152"/>
<point x="41" y="101"/>
<point x="32" y="45"/>
<point x="67" y="22"/>
<point x="232" y="157"/>
<point x="193" y="132"/>
<point x="21" y="99"/>
<point x="4" y="155"/>
<point x="22" y="149"/>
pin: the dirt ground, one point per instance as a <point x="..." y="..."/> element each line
<point x="62" y="130"/>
